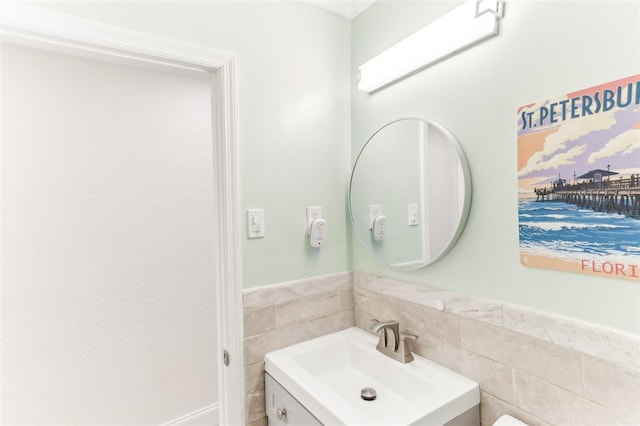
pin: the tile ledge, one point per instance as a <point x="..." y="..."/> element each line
<point x="559" y="319"/>
<point x="481" y="309"/>
<point x="612" y="345"/>
<point x="253" y="297"/>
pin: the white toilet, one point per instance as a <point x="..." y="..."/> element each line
<point x="507" y="420"/>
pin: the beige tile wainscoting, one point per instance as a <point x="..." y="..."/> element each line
<point x="280" y="315"/>
<point x="541" y="368"/>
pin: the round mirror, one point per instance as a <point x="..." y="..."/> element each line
<point x="410" y="193"/>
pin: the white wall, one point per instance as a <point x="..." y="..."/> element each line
<point x="292" y="93"/>
<point x="108" y="296"/>
<point x="292" y="118"/>
<point x="544" y="49"/>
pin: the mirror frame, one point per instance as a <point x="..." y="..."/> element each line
<point x="466" y="207"/>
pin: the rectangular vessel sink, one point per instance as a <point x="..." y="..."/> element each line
<point x="327" y="374"/>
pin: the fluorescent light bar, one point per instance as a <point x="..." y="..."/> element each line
<point x="459" y="29"/>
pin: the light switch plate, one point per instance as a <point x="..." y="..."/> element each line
<point x="255" y="223"/>
<point x="413" y="214"/>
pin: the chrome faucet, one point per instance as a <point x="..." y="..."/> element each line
<point x="399" y="349"/>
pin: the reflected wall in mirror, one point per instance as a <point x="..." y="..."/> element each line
<point x="410" y="193"/>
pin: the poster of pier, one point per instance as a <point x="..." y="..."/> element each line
<point x="579" y="181"/>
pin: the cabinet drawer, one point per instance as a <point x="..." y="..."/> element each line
<point x="284" y="409"/>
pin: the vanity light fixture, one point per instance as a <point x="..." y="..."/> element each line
<point x="463" y="27"/>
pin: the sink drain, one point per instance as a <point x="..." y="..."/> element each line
<point x="368" y="394"/>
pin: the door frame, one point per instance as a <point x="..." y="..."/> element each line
<point x="35" y="27"/>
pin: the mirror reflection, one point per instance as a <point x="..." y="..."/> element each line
<point x="410" y="193"/>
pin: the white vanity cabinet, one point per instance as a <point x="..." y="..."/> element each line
<point x="284" y="409"/>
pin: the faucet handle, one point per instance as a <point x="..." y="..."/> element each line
<point x="380" y="324"/>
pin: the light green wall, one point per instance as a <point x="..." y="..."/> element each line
<point x="293" y="123"/>
<point x="544" y="49"/>
<point x="292" y="116"/>
<point x="396" y="147"/>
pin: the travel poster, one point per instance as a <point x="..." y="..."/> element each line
<point x="579" y="181"/>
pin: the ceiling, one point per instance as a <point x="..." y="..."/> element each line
<point x="347" y="8"/>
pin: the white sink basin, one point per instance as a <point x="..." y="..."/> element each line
<point x="327" y="374"/>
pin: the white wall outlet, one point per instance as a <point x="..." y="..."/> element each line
<point x="255" y="223"/>
<point x="313" y="213"/>
<point x="374" y="211"/>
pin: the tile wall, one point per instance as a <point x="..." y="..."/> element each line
<point x="284" y="314"/>
<point x="542" y="369"/>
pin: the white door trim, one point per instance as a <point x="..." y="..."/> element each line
<point x="35" y="27"/>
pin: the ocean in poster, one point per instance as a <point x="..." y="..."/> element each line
<point x="564" y="231"/>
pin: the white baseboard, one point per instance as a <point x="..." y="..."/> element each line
<point x="207" y="416"/>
